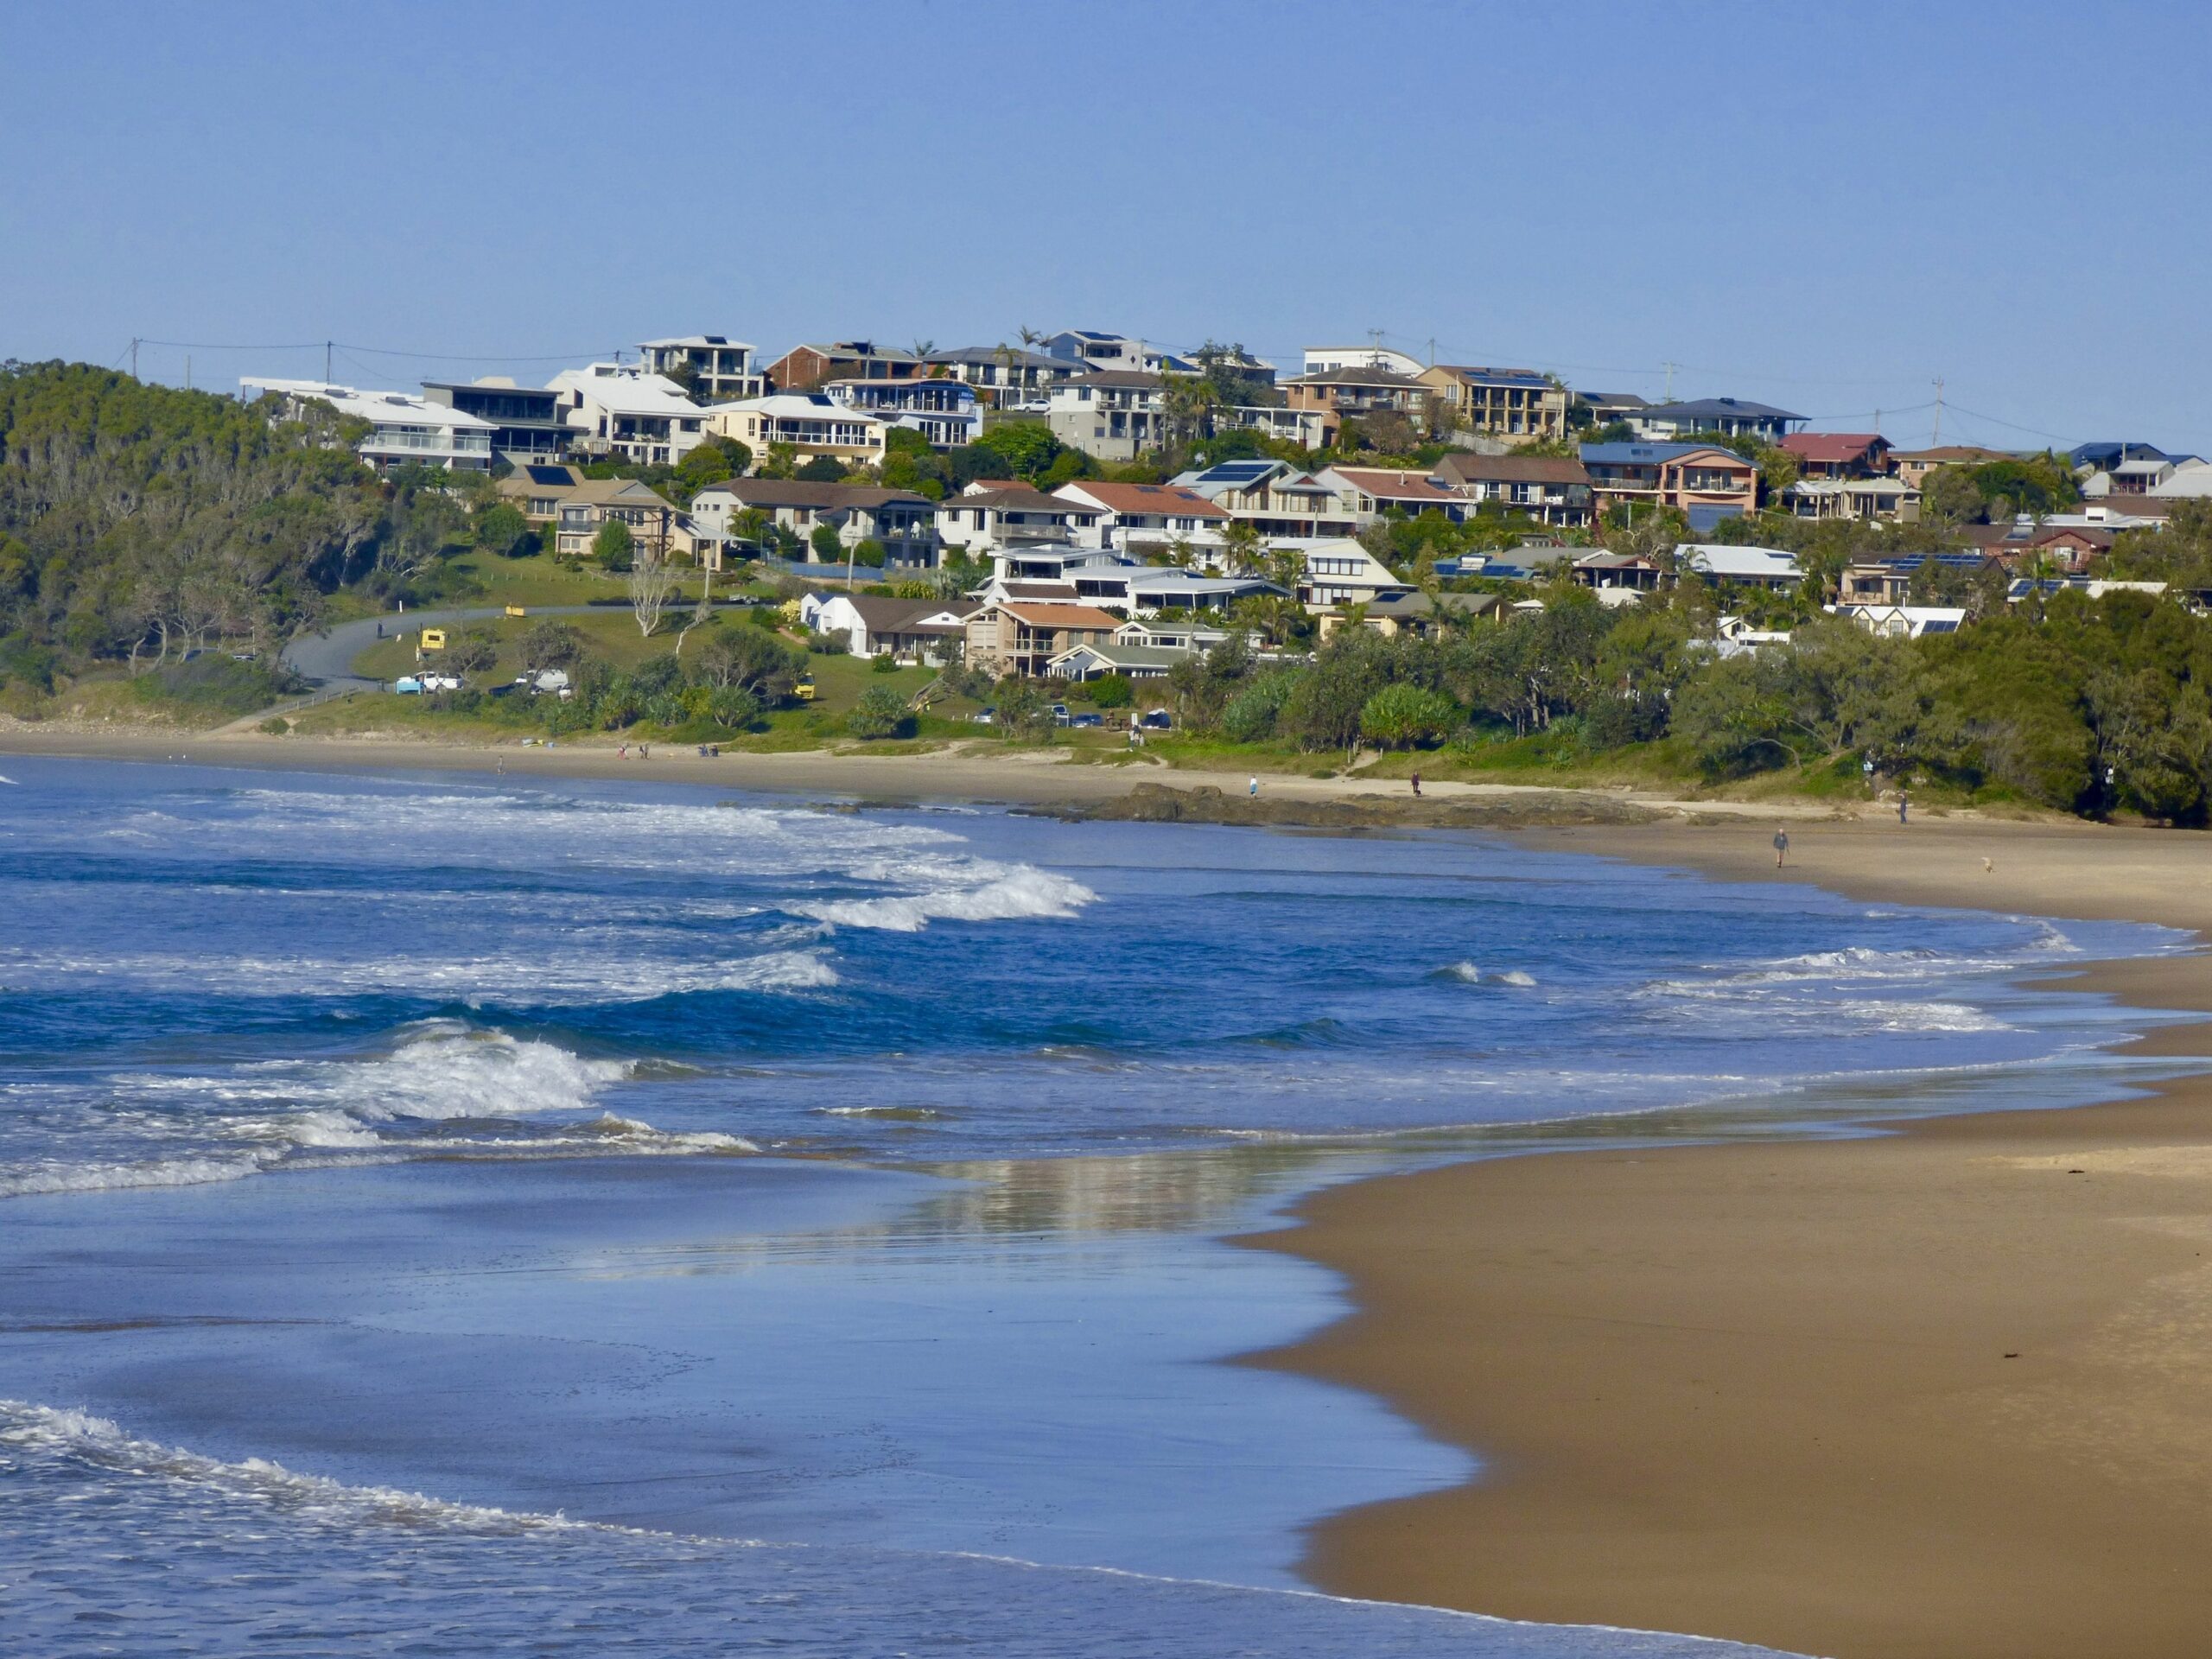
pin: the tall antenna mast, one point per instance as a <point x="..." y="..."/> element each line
<point x="1669" y="397"/>
<point x="1938" y="441"/>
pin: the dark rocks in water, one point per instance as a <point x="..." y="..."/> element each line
<point x="1205" y="804"/>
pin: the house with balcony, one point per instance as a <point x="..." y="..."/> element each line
<point x="718" y="369"/>
<point x="583" y="510"/>
<point x="1838" y="455"/>
<point x="1743" y="567"/>
<point x="623" y="411"/>
<point x="1890" y="499"/>
<point x="1276" y="498"/>
<point x="1309" y="429"/>
<point x="1369" y="493"/>
<point x="944" y="411"/>
<point x="1732" y="417"/>
<point x="528" y="423"/>
<point x="1596" y="409"/>
<point x="404" y="430"/>
<point x="1148" y="518"/>
<point x="1094" y="351"/>
<point x="813" y="425"/>
<point x="1914" y="466"/>
<point x="805" y="368"/>
<point x="924" y="630"/>
<point x="902" y="522"/>
<point x="1110" y="415"/>
<point x="1335" y="571"/>
<point x="1551" y="489"/>
<point x="1516" y="405"/>
<point x="983" y="521"/>
<point x="1021" y="636"/>
<point x="1005" y="377"/>
<point x="1356" y="392"/>
<point x="1706" y="483"/>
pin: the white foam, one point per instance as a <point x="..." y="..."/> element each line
<point x="1468" y="974"/>
<point x="51" y="1177"/>
<point x="1020" y="893"/>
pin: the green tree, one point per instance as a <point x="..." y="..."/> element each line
<point x="880" y="712"/>
<point x="1405" y="716"/>
<point x="750" y="660"/>
<point x="613" y="546"/>
<point x="823" y="469"/>
<point x="1021" y="449"/>
<point x="501" y="529"/>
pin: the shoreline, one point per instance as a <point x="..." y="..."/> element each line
<point x="1946" y="1388"/>
<point x="1647" y="1465"/>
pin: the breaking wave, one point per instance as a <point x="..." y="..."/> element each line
<point x="996" y="896"/>
<point x="1466" y="973"/>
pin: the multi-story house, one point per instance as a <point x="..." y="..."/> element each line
<point x="1853" y="498"/>
<point x="1016" y="637"/>
<point x="1913" y="466"/>
<point x="577" y="506"/>
<point x="614" y="408"/>
<point x="1552" y="489"/>
<point x="815" y="425"/>
<point x="1309" y="429"/>
<point x="1276" y="498"/>
<point x="983" y="521"/>
<point x="1148" y="518"/>
<point x="1368" y="492"/>
<point x="903" y="524"/>
<point x="1838" y="455"/>
<point x="527" y="423"/>
<point x="1336" y="571"/>
<point x="719" y="369"/>
<point x="1508" y="403"/>
<point x="805" y="367"/>
<point x="1732" y="417"/>
<point x="1706" y="483"/>
<point x="1113" y="415"/>
<point x="943" y="410"/>
<point x="404" y="430"/>
<point x="1356" y="392"/>
<point x="1006" y="377"/>
<point x="1094" y="351"/>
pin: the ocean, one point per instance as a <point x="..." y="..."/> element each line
<point x="478" y="1216"/>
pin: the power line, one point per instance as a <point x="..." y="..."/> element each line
<point x="380" y="350"/>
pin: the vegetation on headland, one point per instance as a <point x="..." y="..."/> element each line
<point x="158" y="546"/>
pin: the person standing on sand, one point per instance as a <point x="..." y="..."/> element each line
<point x="1781" y="845"/>
<point x="1904" y="802"/>
<point x="1253" y="788"/>
<point x="1416" y="786"/>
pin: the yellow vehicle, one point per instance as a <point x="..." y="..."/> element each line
<point x="804" y="689"/>
<point x="433" y="639"/>
<point x="517" y="610"/>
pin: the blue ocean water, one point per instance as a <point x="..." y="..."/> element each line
<point x="821" y="1210"/>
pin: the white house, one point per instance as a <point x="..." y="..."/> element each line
<point x="404" y="430"/>
<point x="1334" y="359"/>
<point x="1114" y="415"/>
<point x="1148" y="518"/>
<point x="1094" y="351"/>
<point x="1337" y="571"/>
<point x="1753" y="566"/>
<point x="984" y="520"/>
<point x="619" y="410"/>
<point x="943" y="411"/>
<point x="721" y="368"/>
<point x="871" y="624"/>
<point x="813" y="423"/>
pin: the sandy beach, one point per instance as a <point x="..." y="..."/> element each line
<point x="1941" y="1391"/>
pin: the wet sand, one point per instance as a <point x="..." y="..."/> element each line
<point x="1945" y="1391"/>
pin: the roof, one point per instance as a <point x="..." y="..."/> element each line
<point x="1647" y="454"/>
<point x="865" y="348"/>
<point x="798" y="493"/>
<point x="1462" y="467"/>
<point x="1011" y="356"/>
<point x="1613" y="400"/>
<point x="1063" y="616"/>
<point x="1718" y="559"/>
<point x="1397" y="484"/>
<point x="799" y="406"/>
<point x="1035" y="591"/>
<point x="884" y="614"/>
<point x="571" y="487"/>
<point x="1020" y="499"/>
<point x="1473" y="376"/>
<point x="1421" y="604"/>
<point x="1236" y="474"/>
<point x="1127" y="656"/>
<point x="1834" y="449"/>
<point x="722" y="342"/>
<point x="1950" y="452"/>
<point x="625" y="391"/>
<point x="383" y="408"/>
<point x="1135" y="379"/>
<point x="1142" y="497"/>
<point x="1716" y="409"/>
<point x="1354" y="375"/>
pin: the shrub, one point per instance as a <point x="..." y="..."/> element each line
<point x="276" y="725"/>
<point x="1403" y="716"/>
<point x="880" y="712"/>
<point x="615" y="546"/>
<point x="1250" y="716"/>
<point x="1111" y="691"/>
<point x="883" y="663"/>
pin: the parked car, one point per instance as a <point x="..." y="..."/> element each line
<point x="1086" y="721"/>
<point x="408" y="686"/>
<point x="985" y="717"/>
<point x="441" y="682"/>
<point x="1155" y="719"/>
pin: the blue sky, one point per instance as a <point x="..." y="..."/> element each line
<point x="1822" y="208"/>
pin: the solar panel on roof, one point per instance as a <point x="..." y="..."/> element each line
<point x="548" y="474"/>
<point x="1237" y="472"/>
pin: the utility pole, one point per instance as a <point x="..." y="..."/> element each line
<point x="1878" y="422"/>
<point x="1668" y="395"/>
<point x="1375" y="357"/>
<point x="1937" y="442"/>
<point x="134" y="357"/>
<point x="1432" y="351"/>
<point x="187" y="371"/>
<point x="326" y="362"/>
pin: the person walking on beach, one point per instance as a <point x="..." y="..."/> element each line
<point x="1904" y="802"/>
<point x="1781" y="845"/>
<point x="1416" y="786"/>
<point x="1253" y="788"/>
